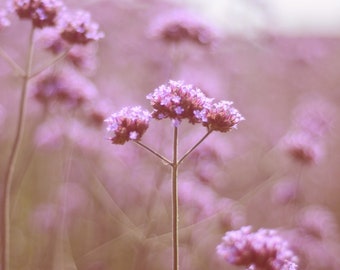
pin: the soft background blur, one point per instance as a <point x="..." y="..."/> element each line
<point x="81" y="203"/>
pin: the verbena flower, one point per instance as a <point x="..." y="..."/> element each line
<point x="177" y="101"/>
<point x="128" y="124"/>
<point x="263" y="249"/>
<point x="301" y="147"/>
<point x="49" y="39"/>
<point x="221" y="116"/>
<point x="67" y="87"/>
<point x="179" y="26"/>
<point x="42" y="12"/>
<point x="78" y="28"/>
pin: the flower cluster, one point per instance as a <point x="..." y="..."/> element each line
<point x="66" y="87"/>
<point x="302" y="148"/>
<point x="221" y="116"/>
<point x="43" y="13"/>
<point x="263" y="249"/>
<point x="78" y="28"/>
<point x="128" y="124"/>
<point x="178" y="26"/>
<point x="178" y="101"/>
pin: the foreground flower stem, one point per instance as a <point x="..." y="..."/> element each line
<point x="5" y="254"/>
<point x="195" y="146"/>
<point x="174" y="164"/>
<point x="175" y="217"/>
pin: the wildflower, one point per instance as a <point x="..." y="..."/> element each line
<point x="128" y="124"/>
<point x="263" y="249"/>
<point x="4" y="21"/>
<point x="49" y="39"/>
<point x="179" y="26"/>
<point x="302" y="147"/>
<point x="42" y="12"/>
<point x="221" y="116"/>
<point x="78" y="28"/>
<point x="178" y="101"/>
<point x="66" y="87"/>
<point x="317" y="222"/>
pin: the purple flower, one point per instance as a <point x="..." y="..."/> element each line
<point x="263" y="249"/>
<point x="78" y="28"/>
<point x="42" y="12"/>
<point x="179" y="26"/>
<point x="128" y="124"/>
<point x="177" y="101"/>
<point x="221" y="116"/>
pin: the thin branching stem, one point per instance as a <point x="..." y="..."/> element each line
<point x="175" y="216"/>
<point x="51" y="63"/>
<point x="12" y="63"/>
<point x="168" y="162"/>
<point x="13" y="157"/>
<point x="194" y="147"/>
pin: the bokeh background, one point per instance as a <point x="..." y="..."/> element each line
<point x="79" y="202"/>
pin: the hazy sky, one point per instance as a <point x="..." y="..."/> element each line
<point x="289" y="16"/>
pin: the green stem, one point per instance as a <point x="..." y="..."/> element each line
<point x="13" y="158"/>
<point x="175" y="216"/>
<point x="195" y="146"/>
<point x="168" y="162"/>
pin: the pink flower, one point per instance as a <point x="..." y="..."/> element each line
<point x="42" y="12"/>
<point x="263" y="249"/>
<point x="221" y="116"/>
<point x="78" y="28"/>
<point x="179" y="26"/>
<point x="128" y="124"/>
<point x="177" y="101"/>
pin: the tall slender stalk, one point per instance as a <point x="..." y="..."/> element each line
<point x="175" y="216"/>
<point x="9" y="173"/>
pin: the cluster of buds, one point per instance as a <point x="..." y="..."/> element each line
<point x="312" y="122"/>
<point x="178" y="101"/>
<point x="263" y="249"/>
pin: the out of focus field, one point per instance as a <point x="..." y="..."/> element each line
<point x="79" y="202"/>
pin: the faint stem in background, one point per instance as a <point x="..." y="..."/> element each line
<point x="9" y="173"/>
<point x="51" y="63"/>
<point x="12" y="63"/>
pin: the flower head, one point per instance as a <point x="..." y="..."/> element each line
<point x="42" y="12"/>
<point x="178" y="101"/>
<point x="66" y="87"/>
<point x="263" y="249"/>
<point x="128" y="124"/>
<point x="221" y="116"/>
<point x="179" y="26"/>
<point x="78" y="28"/>
<point x="301" y="147"/>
